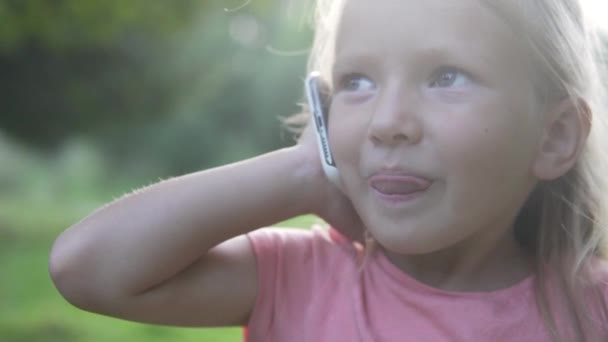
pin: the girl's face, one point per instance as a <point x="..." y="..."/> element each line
<point x="432" y="122"/>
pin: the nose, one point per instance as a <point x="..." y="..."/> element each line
<point x="394" y="120"/>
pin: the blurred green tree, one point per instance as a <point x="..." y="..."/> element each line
<point x="142" y="76"/>
<point x="73" y="65"/>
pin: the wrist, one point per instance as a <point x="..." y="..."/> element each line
<point x="308" y="179"/>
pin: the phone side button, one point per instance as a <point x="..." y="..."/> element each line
<point x="319" y="123"/>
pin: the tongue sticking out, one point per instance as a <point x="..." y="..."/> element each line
<point x="396" y="188"/>
<point x="399" y="187"/>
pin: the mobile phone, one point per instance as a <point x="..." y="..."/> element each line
<point x="319" y="120"/>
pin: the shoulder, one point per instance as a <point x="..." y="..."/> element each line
<point x="284" y="243"/>
<point x="597" y="300"/>
<point x="294" y="261"/>
<point x="595" y="291"/>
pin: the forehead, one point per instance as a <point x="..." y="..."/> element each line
<point x="410" y="36"/>
<point x="401" y="27"/>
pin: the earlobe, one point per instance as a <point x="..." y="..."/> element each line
<point x="564" y="137"/>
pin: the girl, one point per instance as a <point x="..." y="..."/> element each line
<point x="467" y="139"/>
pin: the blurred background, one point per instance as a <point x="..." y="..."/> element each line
<point x="98" y="98"/>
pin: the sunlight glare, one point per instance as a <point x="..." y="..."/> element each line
<point x="598" y="12"/>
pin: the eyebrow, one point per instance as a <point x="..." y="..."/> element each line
<point x="358" y="58"/>
<point x="353" y="61"/>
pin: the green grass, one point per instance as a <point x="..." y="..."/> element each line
<point x="31" y="309"/>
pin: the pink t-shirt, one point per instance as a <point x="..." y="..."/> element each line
<point x="311" y="288"/>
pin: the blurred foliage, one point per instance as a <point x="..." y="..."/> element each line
<point x="69" y="24"/>
<point x="66" y="64"/>
<point x="100" y="97"/>
<point x="160" y="87"/>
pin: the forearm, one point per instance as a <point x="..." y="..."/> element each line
<point x="148" y="236"/>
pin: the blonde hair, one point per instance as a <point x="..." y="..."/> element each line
<point x="563" y="222"/>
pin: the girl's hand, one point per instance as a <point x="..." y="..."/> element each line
<point x="326" y="199"/>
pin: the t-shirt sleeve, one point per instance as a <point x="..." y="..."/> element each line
<point x="291" y="264"/>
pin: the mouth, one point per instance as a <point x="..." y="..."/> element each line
<point x="398" y="187"/>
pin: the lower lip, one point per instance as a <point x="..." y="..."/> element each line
<point x="397" y="199"/>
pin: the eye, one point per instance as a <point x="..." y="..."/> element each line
<point x="449" y="77"/>
<point x="356" y="82"/>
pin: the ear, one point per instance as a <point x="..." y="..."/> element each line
<point x="564" y="137"/>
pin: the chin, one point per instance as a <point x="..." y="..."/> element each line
<point x="410" y="238"/>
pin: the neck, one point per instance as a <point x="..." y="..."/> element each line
<point x="475" y="265"/>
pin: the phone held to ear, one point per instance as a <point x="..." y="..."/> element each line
<point x="319" y="120"/>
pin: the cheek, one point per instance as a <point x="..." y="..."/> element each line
<point x="347" y="131"/>
<point x="488" y="147"/>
